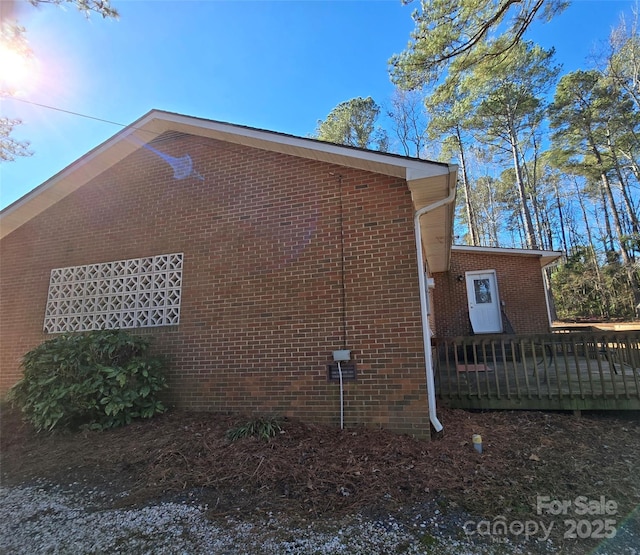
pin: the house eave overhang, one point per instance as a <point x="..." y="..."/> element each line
<point x="547" y="257"/>
<point x="436" y="225"/>
<point x="428" y="181"/>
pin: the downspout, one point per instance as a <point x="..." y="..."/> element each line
<point x="547" y="289"/>
<point x="547" y="292"/>
<point x="426" y="329"/>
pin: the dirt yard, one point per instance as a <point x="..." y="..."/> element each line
<point x="310" y="471"/>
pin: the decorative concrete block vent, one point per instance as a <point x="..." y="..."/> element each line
<point x="134" y="293"/>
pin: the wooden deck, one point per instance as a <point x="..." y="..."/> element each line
<point x="559" y="371"/>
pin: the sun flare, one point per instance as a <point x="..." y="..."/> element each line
<point x="18" y="70"/>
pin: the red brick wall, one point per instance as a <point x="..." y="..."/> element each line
<point x="520" y="286"/>
<point x="262" y="295"/>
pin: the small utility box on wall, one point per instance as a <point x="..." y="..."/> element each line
<point x="348" y="367"/>
<point x="342" y="365"/>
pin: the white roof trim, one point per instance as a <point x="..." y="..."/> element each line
<point x="390" y="164"/>
<point x="156" y="122"/>
<point x="547" y="257"/>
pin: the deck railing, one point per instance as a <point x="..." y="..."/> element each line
<point x="562" y="371"/>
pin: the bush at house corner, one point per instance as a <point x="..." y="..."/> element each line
<point x="99" y="379"/>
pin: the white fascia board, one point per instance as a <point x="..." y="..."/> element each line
<point x="157" y="122"/>
<point x="67" y="180"/>
<point x="417" y="172"/>
<point x="409" y="169"/>
<point x="548" y="257"/>
<point x="76" y="166"/>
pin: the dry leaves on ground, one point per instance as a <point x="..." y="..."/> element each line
<point x="316" y="470"/>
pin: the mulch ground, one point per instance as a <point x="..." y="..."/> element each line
<point x="315" y="470"/>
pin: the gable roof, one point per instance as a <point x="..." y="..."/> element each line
<point x="428" y="181"/>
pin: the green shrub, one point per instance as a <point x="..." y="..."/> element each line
<point x="98" y="379"/>
<point x="264" y="428"/>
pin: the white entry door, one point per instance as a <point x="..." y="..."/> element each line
<point x="484" y="304"/>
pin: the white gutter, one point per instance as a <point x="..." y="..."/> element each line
<point x="426" y="329"/>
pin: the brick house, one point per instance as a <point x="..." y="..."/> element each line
<point x="251" y="257"/>
<point x="515" y="277"/>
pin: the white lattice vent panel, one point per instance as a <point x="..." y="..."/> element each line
<point x="135" y="293"/>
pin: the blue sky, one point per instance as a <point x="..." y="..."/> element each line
<point x="277" y="65"/>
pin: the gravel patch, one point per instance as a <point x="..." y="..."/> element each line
<point x="58" y="520"/>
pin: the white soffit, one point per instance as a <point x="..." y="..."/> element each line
<point x="437" y="225"/>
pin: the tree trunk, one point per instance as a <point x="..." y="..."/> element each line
<point x="529" y="230"/>
<point x="560" y="216"/>
<point x="592" y="251"/>
<point x="608" y="193"/>
<point x="632" y="276"/>
<point x="471" y="216"/>
<point x="633" y="218"/>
